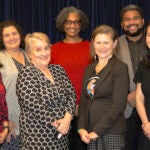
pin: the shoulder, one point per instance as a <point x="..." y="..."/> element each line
<point x="5" y="59"/>
<point x="57" y="48"/>
<point x="119" y="62"/>
<point x="122" y="37"/>
<point x="85" y="45"/>
<point x="58" y="70"/>
<point x="55" y="67"/>
<point x="26" y="70"/>
<point x="90" y="67"/>
<point x="122" y="41"/>
<point x="85" y="42"/>
<point x="120" y="67"/>
<point x="2" y="53"/>
<point x="82" y="44"/>
<point x="57" y="44"/>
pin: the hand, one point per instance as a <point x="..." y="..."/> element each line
<point x="93" y="136"/>
<point x="84" y="136"/>
<point x="146" y="129"/>
<point x="63" y="126"/>
<point x="3" y="136"/>
<point x="131" y="99"/>
<point x="55" y="124"/>
<point x="12" y="127"/>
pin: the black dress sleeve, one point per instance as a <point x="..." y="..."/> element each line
<point x="138" y="74"/>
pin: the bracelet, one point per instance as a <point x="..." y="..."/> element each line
<point x="6" y="127"/>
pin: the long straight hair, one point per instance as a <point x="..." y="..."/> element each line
<point x="146" y="49"/>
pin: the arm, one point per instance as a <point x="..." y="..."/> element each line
<point x="3" y="113"/>
<point x="141" y="110"/>
<point x="140" y="104"/>
<point x="70" y="96"/>
<point x="5" y="131"/>
<point x="63" y="125"/>
<point x="82" y="111"/>
<point x="82" y="120"/>
<point x="131" y="99"/>
<point x="69" y="100"/>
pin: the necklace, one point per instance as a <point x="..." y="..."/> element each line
<point x="99" y="67"/>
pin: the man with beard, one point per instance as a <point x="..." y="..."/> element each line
<point x="130" y="51"/>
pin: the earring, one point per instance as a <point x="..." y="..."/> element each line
<point x="95" y="57"/>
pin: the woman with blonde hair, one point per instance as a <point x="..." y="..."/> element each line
<point x="46" y="98"/>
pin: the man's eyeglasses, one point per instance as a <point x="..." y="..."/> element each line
<point x="75" y="22"/>
<point x="136" y="18"/>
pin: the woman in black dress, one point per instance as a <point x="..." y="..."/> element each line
<point x="142" y="79"/>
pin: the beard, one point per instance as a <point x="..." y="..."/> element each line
<point x="138" y="32"/>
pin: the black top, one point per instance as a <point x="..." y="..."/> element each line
<point x="135" y="49"/>
<point x="142" y="76"/>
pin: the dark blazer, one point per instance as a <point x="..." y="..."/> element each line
<point x="105" y="112"/>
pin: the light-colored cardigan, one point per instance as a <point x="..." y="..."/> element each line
<point x="9" y="74"/>
<point x="124" y="55"/>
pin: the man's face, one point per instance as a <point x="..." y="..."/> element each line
<point x="132" y="23"/>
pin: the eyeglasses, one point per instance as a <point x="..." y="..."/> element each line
<point x="136" y="18"/>
<point x="75" y="22"/>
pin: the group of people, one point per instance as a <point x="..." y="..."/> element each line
<point x="76" y="94"/>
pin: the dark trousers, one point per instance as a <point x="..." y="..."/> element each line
<point x="144" y="142"/>
<point x="133" y="131"/>
<point x="75" y="142"/>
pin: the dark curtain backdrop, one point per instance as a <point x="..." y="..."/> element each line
<point x="39" y="15"/>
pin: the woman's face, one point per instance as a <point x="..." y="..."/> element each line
<point x="40" y="53"/>
<point x="11" y="38"/>
<point x="148" y="37"/>
<point x="72" y="25"/>
<point x="104" y="45"/>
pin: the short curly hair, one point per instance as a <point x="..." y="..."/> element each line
<point x="63" y="15"/>
<point x="9" y="23"/>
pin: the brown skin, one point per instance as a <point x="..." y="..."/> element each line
<point x="131" y="22"/>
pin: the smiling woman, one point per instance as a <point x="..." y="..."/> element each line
<point x="73" y="54"/>
<point x="101" y="119"/>
<point x="13" y="58"/>
<point x="46" y="98"/>
<point x="143" y="92"/>
<point x="39" y="51"/>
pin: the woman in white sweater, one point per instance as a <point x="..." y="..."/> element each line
<point x="13" y="58"/>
